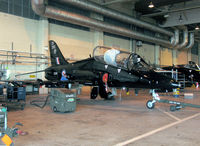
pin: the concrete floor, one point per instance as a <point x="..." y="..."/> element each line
<point x="124" y="121"/>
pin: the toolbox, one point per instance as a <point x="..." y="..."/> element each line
<point x="16" y="96"/>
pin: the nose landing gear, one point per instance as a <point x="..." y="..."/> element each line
<point x="151" y="103"/>
<point x="175" y="105"/>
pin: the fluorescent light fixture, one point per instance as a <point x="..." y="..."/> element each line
<point x="197" y="27"/>
<point x="166" y="15"/>
<point x="151" y="5"/>
<point x="180" y="18"/>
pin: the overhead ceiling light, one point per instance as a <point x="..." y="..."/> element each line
<point x="166" y="15"/>
<point x="197" y="27"/>
<point x="180" y="18"/>
<point x="151" y="5"/>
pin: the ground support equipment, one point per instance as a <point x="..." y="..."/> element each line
<point x="175" y="105"/>
<point x="63" y="100"/>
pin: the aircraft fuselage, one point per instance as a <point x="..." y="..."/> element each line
<point x="91" y="72"/>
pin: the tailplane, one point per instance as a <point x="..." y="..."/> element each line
<point x="56" y="56"/>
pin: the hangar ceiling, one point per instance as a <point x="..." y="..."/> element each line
<point x="166" y="13"/>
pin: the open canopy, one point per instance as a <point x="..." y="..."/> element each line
<point x="191" y="65"/>
<point x="119" y="58"/>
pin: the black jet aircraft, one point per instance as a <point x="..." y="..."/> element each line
<point x="191" y="71"/>
<point x="108" y="67"/>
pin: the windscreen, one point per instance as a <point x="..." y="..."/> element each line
<point x="135" y="62"/>
<point x="192" y="65"/>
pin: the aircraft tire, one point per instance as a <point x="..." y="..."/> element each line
<point x="22" y="107"/>
<point x="55" y="109"/>
<point x="150" y="104"/>
<point x="94" y="93"/>
<point x="92" y="96"/>
<point x="109" y="96"/>
<point x="102" y="92"/>
<point x="172" y="108"/>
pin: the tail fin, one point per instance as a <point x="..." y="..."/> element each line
<point x="56" y="55"/>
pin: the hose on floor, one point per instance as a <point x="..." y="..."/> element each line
<point x="36" y="102"/>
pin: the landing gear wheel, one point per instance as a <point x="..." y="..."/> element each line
<point x="22" y="107"/>
<point x="175" y="108"/>
<point x="150" y="104"/>
<point x="92" y="96"/>
<point x="172" y="108"/>
<point x="178" y="107"/>
<point x="55" y="109"/>
<point x="94" y="93"/>
<point x="110" y="96"/>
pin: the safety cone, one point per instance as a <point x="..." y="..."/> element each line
<point x="193" y="86"/>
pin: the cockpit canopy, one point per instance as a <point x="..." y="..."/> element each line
<point x="192" y="65"/>
<point x="119" y="58"/>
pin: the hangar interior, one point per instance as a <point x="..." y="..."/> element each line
<point x="164" y="35"/>
<point x="35" y="31"/>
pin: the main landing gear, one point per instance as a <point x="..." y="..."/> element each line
<point x="94" y="93"/>
<point x="102" y="92"/>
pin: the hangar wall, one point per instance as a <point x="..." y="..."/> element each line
<point x="74" y="43"/>
<point x="21" y="31"/>
<point x="195" y="52"/>
<point x="116" y="42"/>
<point x="165" y="57"/>
<point x="182" y="57"/>
<point x="147" y="51"/>
<point x="18" y="34"/>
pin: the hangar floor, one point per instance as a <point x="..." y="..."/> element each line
<point x="124" y="121"/>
